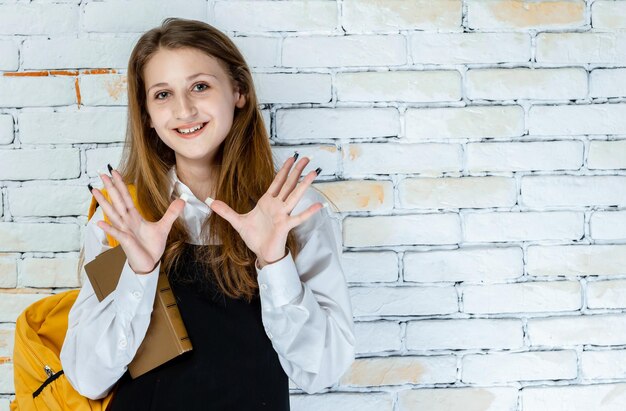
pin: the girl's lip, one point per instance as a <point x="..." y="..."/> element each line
<point x="194" y="134"/>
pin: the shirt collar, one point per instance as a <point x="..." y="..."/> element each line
<point x="177" y="187"/>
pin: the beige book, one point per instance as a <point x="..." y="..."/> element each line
<point x="166" y="337"/>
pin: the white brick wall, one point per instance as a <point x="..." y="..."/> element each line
<point x="475" y="149"/>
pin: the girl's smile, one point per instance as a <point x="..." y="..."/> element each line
<point x="191" y="131"/>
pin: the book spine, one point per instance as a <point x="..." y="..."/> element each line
<point x="174" y="319"/>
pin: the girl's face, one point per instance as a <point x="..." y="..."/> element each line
<point x="185" y="90"/>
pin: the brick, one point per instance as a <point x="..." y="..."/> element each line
<point x="405" y="86"/>
<point x="371" y="15"/>
<point x="323" y="123"/>
<point x="23" y="237"/>
<point x="344" y="51"/>
<point x="76" y="53"/>
<point x="60" y="200"/>
<point x="600" y="330"/>
<point x="606" y="155"/>
<point x="455" y="192"/>
<point x="363" y="195"/>
<point x="608" y="15"/>
<point x="607" y="83"/>
<point x="600" y="397"/>
<point x="465" y="264"/>
<point x="342" y="401"/>
<point x="381" y="301"/>
<point x="461" y="48"/>
<point x="606" y="294"/>
<point x="12" y="304"/>
<point x="551" y="155"/>
<point x="103" y="89"/>
<point x="554" y="191"/>
<point x="401" y="230"/>
<point x="139" y="16"/>
<point x="391" y="158"/>
<point x="464" y="334"/>
<point x="262" y="16"/>
<point x="464" y="122"/>
<point x="524" y="297"/>
<point x="49" y="272"/>
<point x="608" y="225"/>
<point x="98" y="158"/>
<point x="497" y="368"/>
<point x="6" y="129"/>
<point x="581" y="48"/>
<point x="292" y="88"/>
<point x="603" y="364"/>
<point x="375" y="372"/>
<point x="72" y="127"/>
<point x="375" y="266"/>
<point x="259" y="51"/>
<point x="523" y="226"/>
<point x="52" y="164"/>
<point x="576" y="260"/>
<point x="8" y="271"/>
<point x="512" y="14"/>
<point x="377" y="336"/>
<point x="577" y="119"/>
<point x="36" y="91"/>
<point x="324" y="156"/>
<point x="526" y="84"/>
<point x="9" y="55"/>
<point x="467" y="399"/>
<point x="33" y="19"/>
<point x="7" y="338"/>
<point x="6" y="378"/>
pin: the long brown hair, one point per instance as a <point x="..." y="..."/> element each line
<point x="246" y="167"/>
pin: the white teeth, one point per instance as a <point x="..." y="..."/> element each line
<point x="190" y="130"/>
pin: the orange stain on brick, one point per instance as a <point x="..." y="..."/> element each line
<point x="116" y="87"/>
<point x="77" y="87"/>
<point x="63" y="73"/>
<point x="330" y="149"/>
<point x="355" y="152"/>
<point x="4" y="360"/>
<point x="99" y="71"/>
<point x="523" y="13"/>
<point x="27" y="74"/>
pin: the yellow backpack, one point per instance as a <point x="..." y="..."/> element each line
<point x="39" y="334"/>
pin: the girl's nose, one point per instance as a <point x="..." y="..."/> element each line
<point x="185" y="107"/>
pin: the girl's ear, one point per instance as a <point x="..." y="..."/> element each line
<point x="241" y="99"/>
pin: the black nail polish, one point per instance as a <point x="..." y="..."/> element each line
<point x="295" y="155"/>
<point x="318" y="171"/>
<point x="110" y="168"/>
<point x="90" y="187"/>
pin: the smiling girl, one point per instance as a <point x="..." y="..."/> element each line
<point x="256" y="272"/>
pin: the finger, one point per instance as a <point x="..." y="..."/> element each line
<point x="119" y="236"/>
<point x="227" y="213"/>
<point x="294" y="197"/>
<point x="116" y="199"/>
<point x="173" y="212"/>
<point x="124" y="193"/>
<point x="293" y="178"/>
<point x="296" y="220"/>
<point x="280" y="177"/>
<point x="107" y="208"/>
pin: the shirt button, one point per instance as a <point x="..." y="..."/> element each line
<point x="122" y="344"/>
<point x="137" y="294"/>
<point x="263" y="287"/>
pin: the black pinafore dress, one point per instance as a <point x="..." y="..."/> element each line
<point x="232" y="366"/>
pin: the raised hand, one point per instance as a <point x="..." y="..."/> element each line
<point x="265" y="228"/>
<point x="143" y="241"/>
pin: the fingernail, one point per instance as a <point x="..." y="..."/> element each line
<point x="310" y="158"/>
<point x="318" y="171"/>
<point x="101" y="172"/>
<point x="324" y="205"/>
<point x="90" y="187"/>
<point x="110" y="168"/>
<point x="295" y="155"/>
<point x="184" y="197"/>
<point x="208" y="201"/>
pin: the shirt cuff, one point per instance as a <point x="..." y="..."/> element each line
<point x="135" y="292"/>
<point x="279" y="281"/>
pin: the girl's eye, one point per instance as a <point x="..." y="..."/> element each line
<point x="203" y="86"/>
<point x="159" y="94"/>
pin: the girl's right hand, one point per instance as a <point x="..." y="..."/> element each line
<point x="143" y="241"/>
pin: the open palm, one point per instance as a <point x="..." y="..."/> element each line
<point x="265" y="228"/>
<point x="143" y="241"/>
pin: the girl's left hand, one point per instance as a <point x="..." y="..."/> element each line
<point x="265" y="228"/>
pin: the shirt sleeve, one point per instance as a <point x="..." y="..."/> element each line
<point x="103" y="337"/>
<point x="305" y="303"/>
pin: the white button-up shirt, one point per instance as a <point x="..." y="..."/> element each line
<point x="305" y="305"/>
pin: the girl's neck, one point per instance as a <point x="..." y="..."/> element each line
<point x="201" y="181"/>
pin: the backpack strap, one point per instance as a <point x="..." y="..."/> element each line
<point x="94" y="204"/>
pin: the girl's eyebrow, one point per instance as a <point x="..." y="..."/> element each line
<point x="188" y="79"/>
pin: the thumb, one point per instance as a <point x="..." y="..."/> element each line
<point x="224" y="211"/>
<point x="174" y="211"/>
